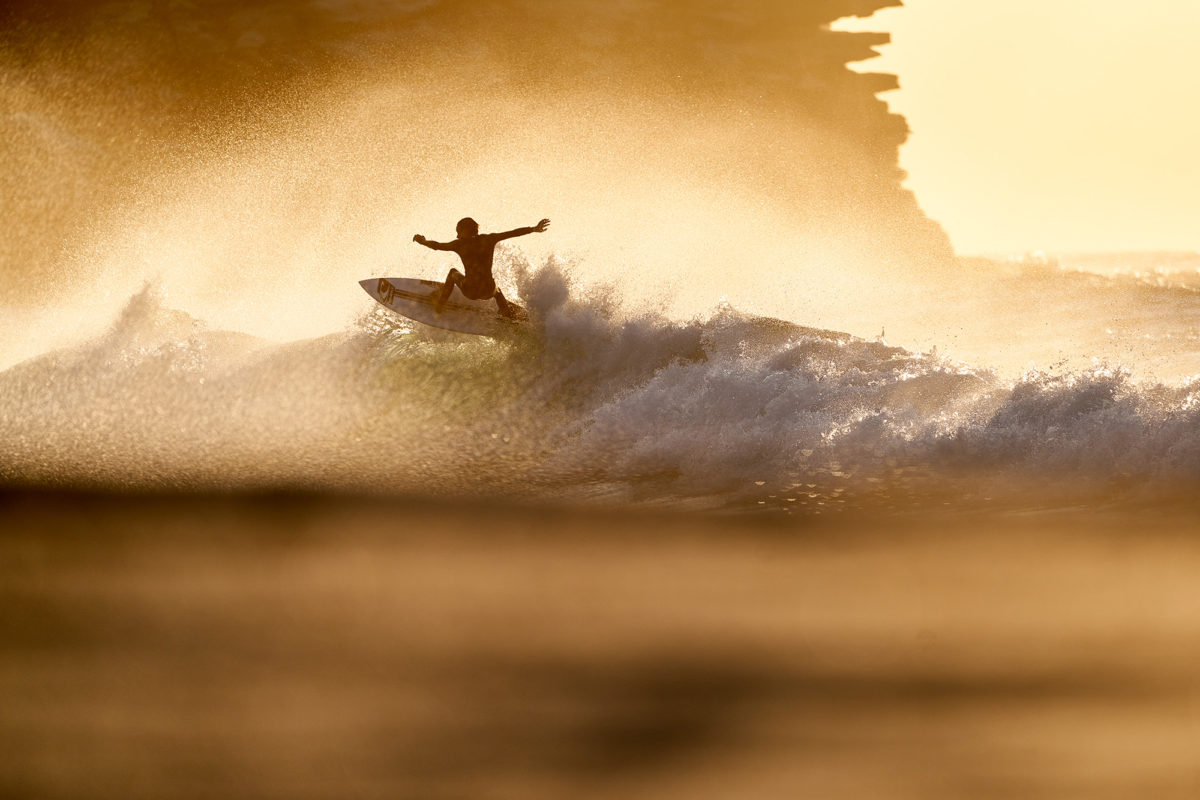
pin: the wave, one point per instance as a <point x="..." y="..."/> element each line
<point x="595" y="403"/>
<point x="1167" y="269"/>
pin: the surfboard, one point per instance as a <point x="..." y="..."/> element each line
<point x="414" y="298"/>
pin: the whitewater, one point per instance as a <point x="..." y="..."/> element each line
<point x="601" y="403"/>
<point x="780" y="493"/>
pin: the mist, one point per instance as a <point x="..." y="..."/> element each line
<point x="256" y="161"/>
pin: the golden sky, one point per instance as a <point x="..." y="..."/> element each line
<point x="1050" y="124"/>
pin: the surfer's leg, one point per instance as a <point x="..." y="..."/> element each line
<point x="453" y="278"/>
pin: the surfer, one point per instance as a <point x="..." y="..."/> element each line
<point x="476" y="251"/>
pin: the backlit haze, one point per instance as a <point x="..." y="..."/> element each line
<point x="1069" y="125"/>
<point x="774" y="495"/>
<point x="736" y="272"/>
<point x="255" y="162"/>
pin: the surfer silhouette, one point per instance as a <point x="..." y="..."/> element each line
<point x="476" y="251"/>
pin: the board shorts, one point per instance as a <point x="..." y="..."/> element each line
<point x="476" y="287"/>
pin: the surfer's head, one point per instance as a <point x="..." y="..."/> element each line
<point x="466" y="227"/>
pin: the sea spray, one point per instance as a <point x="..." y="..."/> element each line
<point x="596" y="400"/>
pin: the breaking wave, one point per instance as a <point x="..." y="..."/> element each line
<point x="594" y="403"/>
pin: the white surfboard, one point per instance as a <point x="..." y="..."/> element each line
<point x="414" y="298"/>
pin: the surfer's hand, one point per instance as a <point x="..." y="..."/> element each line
<point x="541" y="226"/>
<point x="419" y="239"/>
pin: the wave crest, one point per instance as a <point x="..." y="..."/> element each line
<point x="596" y="400"/>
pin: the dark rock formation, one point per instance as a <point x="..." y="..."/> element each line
<point x="96" y="95"/>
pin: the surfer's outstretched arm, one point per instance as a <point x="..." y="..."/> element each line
<point x="539" y="228"/>
<point x="432" y="245"/>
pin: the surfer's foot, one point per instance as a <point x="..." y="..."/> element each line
<point x="514" y="312"/>
<point x="506" y="309"/>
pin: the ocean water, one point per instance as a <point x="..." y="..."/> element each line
<point x="597" y="403"/>
<point x="319" y="646"/>
<point x="773" y="498"/>
<point x="738" y="306"/>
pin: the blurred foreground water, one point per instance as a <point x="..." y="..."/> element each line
<point x="323" y="646"/>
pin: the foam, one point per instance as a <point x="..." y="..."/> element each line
<point x="598" y="401"/>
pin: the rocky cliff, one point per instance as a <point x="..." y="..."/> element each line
<point x="756" y="100"/>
